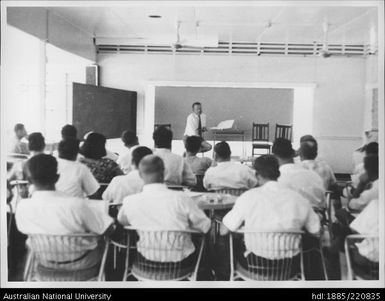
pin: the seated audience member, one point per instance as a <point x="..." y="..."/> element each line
<point x="109" y="154"/>
<point x="271" y="207"/>
<point x="75" y="178"/>
<point x="69" y="131"/>
<point x="17" y="145"/>
<point x="365" y="253"/>
<point x="359" y="174"/>
<point x="370" y="187"/>
<point x="293" y="176"/>
<point x="198" y="165"/>
<point x="132" y="183"/>
<point x="157" y="207"/>
<point x="177" y="171"/>
<point x="52" y="212"/>
<point x="36" y="145"/>
<point x="227" y="174"/>
<point x="359" y="154"/>
<point x="308" y="152"/>
<point x="130" y="141"/>
<point x="94" y="152"/>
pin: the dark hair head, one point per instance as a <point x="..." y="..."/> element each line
<point x="138" y="153"/>
<point x="371" y="166"/>
<point x="282" y="148"/>
<point x="94" y="147"/>
<point x="222" y="150"/>
<point x="193" y="144"/>
<point x="371" y="148"/>
<point x="129" y="138"/>
<point x="68" y="148"/>
<point x="68" y="131"/>
<point x="267" y="167"/>
<point x="197" y="103"/>
<point x="307" y="138"/>
<point x="36" y="142"/>
<point x="162" y="137"/>
<point x="308" y="150"/>
<point x="19" y="127"/>
<point x="42" y="169"/>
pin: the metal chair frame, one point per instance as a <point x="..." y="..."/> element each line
<point x="129" y="271"/>
<point x="236" y="274"/>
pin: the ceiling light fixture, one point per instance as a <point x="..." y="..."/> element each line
<point x="155" y="16"/>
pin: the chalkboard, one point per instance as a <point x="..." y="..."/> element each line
<point x="104" y="110"/>
<point x="244" y="105"/>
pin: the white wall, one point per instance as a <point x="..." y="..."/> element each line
<point x="338" y="97"/>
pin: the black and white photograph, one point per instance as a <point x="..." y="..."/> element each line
<point x="192" y="144"/>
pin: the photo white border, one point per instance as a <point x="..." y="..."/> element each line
<point x="200" y="284"/>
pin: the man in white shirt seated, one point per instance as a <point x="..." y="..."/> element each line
<point x="359" y="177"/>
<point x="304" y="181"/>
<point x="75" y="178"/>
<point x="160" y="208"/>
<point x="196" y="126"/>
<point x="198" y="165"/>
<point x="52" y="212"/>
<point x="271" y="207"/>
<point x="365" y="254"/>
<point x="356" y="203"/>
<point x="132" y="183"/>
<point x="17" y="145"/>
<point x="308" y="152"/>
<point x="177" y="171"/>
<point x="130" y="141"/>
<point x="227" y="174"/>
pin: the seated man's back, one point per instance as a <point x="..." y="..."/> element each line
<point x="158" y="208"/>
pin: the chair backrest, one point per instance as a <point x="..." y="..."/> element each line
<point x="159" y="254"/>
<point x="231" y="191"/>
<point x="167" y="125"/>
<point x="76" y="257"/>
<point x="260" y="132"/>
<point x="370" y="269"/>
<point x="283" y="131"/>
<point x="274" y="256"/>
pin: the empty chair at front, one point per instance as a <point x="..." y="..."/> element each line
<point x="76" y="257"/>
<point x="161" y="254"/>
<point x="266" y="256"/>
<point x="260" y="137"/>
<point x="283" y="131"/>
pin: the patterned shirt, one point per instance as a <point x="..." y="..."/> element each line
<point x="103" y="169"/>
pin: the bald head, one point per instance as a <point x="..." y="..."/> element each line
<point x="151" y="169"/>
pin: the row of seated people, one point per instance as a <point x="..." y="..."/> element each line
<point x="224" y="173"/>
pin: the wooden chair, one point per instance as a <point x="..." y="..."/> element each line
<point x="356" y="272"/>
<point x="282" y="245"/>
<point x="283" y="131"/>
<point x="63" y="258"/>
<point x="160" y="243"/>
<point x="260" y="137"/>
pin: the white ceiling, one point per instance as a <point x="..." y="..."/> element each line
<point x="347" y="25"/>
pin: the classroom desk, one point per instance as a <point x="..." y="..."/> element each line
<point x="212" y="201"/>
<point x="217" y="134"/>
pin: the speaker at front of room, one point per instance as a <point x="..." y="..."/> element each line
<point x="92" y="75"/>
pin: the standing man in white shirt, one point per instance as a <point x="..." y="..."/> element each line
<point x="227" y="174"/>
<point x="177" y="171"/>
<point x="75" y="179"/>
<point x="196" y="126"/>
<point x="159" y="208"/>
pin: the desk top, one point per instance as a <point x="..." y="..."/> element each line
<point x="228" y="131"/>
<point x="212" y="200"/>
